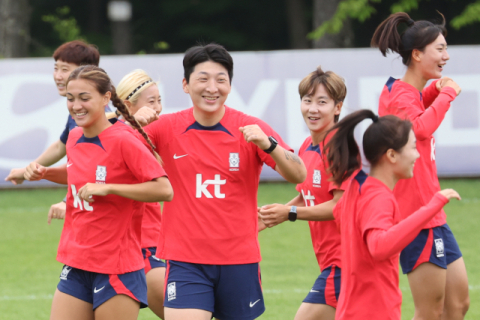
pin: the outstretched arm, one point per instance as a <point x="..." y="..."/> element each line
<point x="35" y="172"/>
<point x="383" y="244"/>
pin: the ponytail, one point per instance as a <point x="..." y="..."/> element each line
<point x="417" y="36"/>
<point x="343" y="155"/>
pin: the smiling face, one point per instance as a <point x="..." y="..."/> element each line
<point x="208" y="87"/>
<point x="61" y="72"/>
<point x="433" y="58"/>
<point x="150" y="97"/>
<point x="85" y="104"/>
<point x="406" y="158"/>
<point x="319" y="110"/>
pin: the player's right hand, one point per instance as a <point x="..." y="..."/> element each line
<point x="34" y="172"/>
<point x="57" y="211"/>
<point x="450" y="194"/>
<point x="452" y="84"/>
<point x="16" y="176"/>
<point x="145" y="115"/>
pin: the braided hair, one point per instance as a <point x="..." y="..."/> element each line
<point x="103" y="84"/>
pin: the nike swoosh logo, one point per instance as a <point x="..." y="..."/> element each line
<point x="252" y="304"/>
<point x="314" y="290"/>
<point x="175" y="156"/>
<point x="95" y="290"/>
<point x="69" y="164"/>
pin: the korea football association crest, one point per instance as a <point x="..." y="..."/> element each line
<point x="101" y="174"/>
<point x="317" y="178"/>
<point x="439" y="247"/>
<point x="234" y="161"/>
<point x="65" y="271"/>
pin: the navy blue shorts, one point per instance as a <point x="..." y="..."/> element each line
<point x="228" y="291"/>
<point x="326" y="288"/>
<point x="97" y="288"/>
<point x="151" y="261"/>
<point x="436" y="245"/>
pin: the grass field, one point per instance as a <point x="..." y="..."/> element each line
<point x="29" y="272"/>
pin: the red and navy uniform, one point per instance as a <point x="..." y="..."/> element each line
<point x="103" y="237"/>
<point x="372" y="236"/>
<point x="212" y="219"/>
<point x="426" y="110"/>
<point x="317" y="189"/>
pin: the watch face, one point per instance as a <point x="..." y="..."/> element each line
<point x="273" y="139"/>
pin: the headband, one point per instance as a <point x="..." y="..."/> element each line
<point x="138" y="88"/>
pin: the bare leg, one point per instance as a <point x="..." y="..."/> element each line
<point x="155" y="281"/>
<point x="457" y="300"/>
<point x="120" y="307"/>
<point x="315" y="311"/>
<point x="427" y="283"/>
<point x="187" y="314"/>
<point x="67" y="307"/>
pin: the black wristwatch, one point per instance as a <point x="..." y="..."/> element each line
<point x="272" y="146"/>
<point x="292" y="215"/>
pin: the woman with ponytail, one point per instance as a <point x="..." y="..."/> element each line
<point x="322" y="95"/>
<point x="137" y="90"/>
<point x="110" y="174"/>
<point x="433" y="261"/>
<point x="371" y="227"/>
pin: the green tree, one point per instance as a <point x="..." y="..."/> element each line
<point x="65" y="26"/>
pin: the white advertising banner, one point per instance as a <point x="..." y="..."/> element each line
<point x="265" y="85"/>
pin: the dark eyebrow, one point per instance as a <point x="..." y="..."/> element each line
<point x="220" y="73"/>
<point x="83" y="93"/>
<point x="442" y="44"/>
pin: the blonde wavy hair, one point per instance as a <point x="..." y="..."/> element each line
<point x="130" y="82"/>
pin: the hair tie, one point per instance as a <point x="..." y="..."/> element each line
<point x="410" y="22"/>
<point x="138" y="88"/>
<point x="375" y="118"/>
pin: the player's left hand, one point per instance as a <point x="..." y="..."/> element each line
<point x="273" y="214"/>
<point x="253" y="133"/>
<point x="92" y="189"/>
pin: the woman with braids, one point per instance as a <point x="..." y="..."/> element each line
<point x="371" y="227"/>
<point x="110" y="174"/>
<point x="322" y="94"/>
<point x="138" y="90"/>
<point x="433" y="261"/>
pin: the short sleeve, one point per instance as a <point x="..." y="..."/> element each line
<point x="376" y="212"/>
<point x="66" y="131"/>
<point x="140" y="160"/>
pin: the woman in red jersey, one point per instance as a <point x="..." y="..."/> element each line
<point x="371" y="228"/>
<point x="433" y="261"/>
<point x="110" y="174"/>
<point x="322" y="94"/>
<point x="138" y="90"/>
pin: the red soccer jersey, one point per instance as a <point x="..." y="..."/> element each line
<point x="151" y="222"/>
<point x="214" y="173"/>
<point x="426" y="110"/>
<point x="317" y="189"/>
<point x="104" y="236"/>
<point x="369" y="288"/>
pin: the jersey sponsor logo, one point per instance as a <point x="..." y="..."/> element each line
<point x="432" y="149"/>
<point x="439" y="247"/>
<point x="101" y="174"/>
<point x="77" y="202"/>
<point x="65" y="271"/>
<point x="234" y="161"/>
<point x="308" y="198"/>
<point x="95" y="290"/>
<point x="171" y="291"/>
<point x="317" y="178"/>
<point x="253" y="303"/>
<point x="202" y="187"/>
<point x="178" y="157"/>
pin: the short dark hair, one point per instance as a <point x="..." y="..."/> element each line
<point x="210" y="52"/>
<point x="418" y="35"/>
<point x="78" y="52"/>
